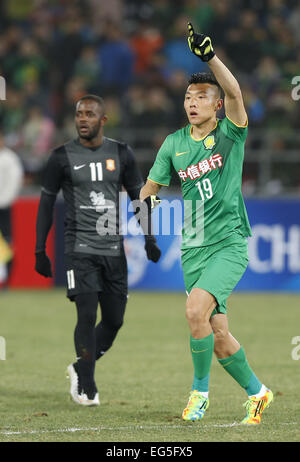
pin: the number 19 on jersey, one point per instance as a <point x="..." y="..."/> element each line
<point x="205" y="189"/>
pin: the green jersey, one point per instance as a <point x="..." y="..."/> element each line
<point x="210" y="170"/>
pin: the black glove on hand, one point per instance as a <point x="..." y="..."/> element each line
<point x="43" y="264"/>
<point x="152" y="202"/>
<point x="152" y="249"/>
<point x="200" y="44"/>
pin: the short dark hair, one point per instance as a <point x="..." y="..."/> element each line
<point x="205" y="77"/>
<point x="95" y="98"/>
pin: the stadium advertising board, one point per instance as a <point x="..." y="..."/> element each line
<point x="274" y="249"/>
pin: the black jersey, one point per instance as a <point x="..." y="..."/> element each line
<point x="91" y="180"/>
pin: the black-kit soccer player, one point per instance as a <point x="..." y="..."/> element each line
<point x="207" y="155"/>
<point x="91" y="171"/>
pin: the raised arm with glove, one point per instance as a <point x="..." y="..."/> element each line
<point x="200" y="44"/>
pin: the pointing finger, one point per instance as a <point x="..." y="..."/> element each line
<point x="191" y="29"/>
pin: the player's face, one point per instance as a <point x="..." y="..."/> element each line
<point x="201" y="102"/>
<point x="89" y="119"/>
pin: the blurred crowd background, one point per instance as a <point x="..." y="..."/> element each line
<point x="134" y="53"/>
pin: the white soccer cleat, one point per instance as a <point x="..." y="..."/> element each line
<point x="74" y="379"/>
<point x="78" y="395"/>
<point x="84" y="400"/>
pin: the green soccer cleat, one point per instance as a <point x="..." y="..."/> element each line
<point x="196" y="407"/>
<point x="255" y="407"/>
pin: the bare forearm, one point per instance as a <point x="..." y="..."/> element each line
<point x="225" y="78"/>
<point x="233" y="102"/>
<point x="149" y="189"/>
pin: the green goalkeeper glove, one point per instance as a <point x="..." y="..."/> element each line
<point x="200" y="45"/>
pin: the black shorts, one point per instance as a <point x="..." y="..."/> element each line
<point x="88" y="273"/>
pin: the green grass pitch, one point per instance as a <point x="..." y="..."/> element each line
<point x="144" y="380"/>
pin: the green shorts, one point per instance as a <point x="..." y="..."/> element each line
<point x="216" y="268"/>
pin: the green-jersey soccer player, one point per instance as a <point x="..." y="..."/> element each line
<point x="208" y="157"/>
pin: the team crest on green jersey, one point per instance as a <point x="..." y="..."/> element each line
<point x="209" y="142"/>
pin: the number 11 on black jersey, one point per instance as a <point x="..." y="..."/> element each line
<point x="96" y="171"/>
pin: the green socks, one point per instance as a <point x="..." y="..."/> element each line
<point x="237" y="366"/>
<point x="202" y="352"/>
